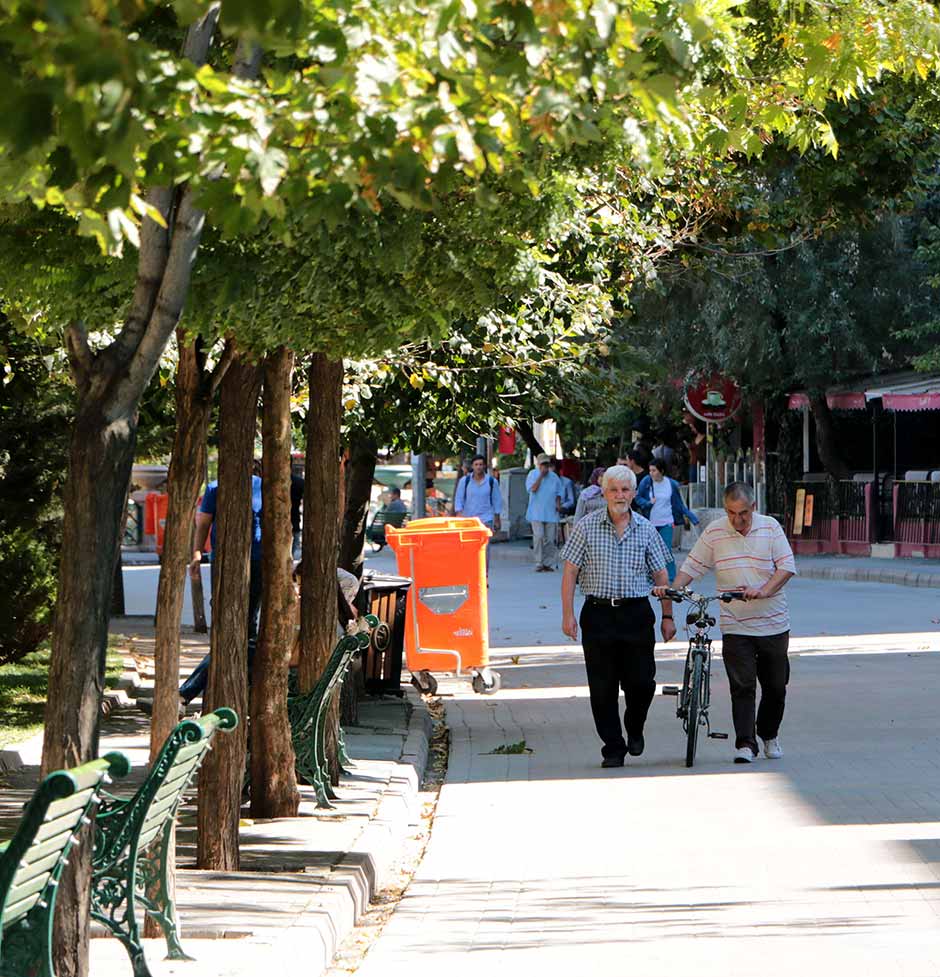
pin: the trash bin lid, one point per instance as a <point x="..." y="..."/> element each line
<point x="465" y="530"/>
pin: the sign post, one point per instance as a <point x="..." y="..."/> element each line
<point x="714" y="400"/>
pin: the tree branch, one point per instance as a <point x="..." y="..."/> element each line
<point x="81" y="358"/>
<point x="174" y="287"/>
<point x="528" y="435"/>
<point x="221" y="368"/>
<point x="154" y="238"/>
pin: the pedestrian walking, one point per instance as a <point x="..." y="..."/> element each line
<point x="592" y="498"/>
<point x="615" y="555"/>
<point x="659" y="499"/>
<point x="478" y="495"/>
<point x="749" y="552"/>
<point x="545" y="493"/>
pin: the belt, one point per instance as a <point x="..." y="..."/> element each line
<point x="613" y="601"/>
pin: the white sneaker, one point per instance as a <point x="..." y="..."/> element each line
<point x="772" y="749"/>
<point x="744" y="754"/>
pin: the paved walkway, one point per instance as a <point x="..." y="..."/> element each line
<point x="304" y="881"/>
<point x="825" y="862"/>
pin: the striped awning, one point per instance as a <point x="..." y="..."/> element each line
<point x="899" y="392"/>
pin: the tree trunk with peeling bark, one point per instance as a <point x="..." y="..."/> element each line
<point x="222" y="775"/>
<point x="321" y="519"/>
<point x="360" y="472"/>
<point x="826" y="439"/>
<point x="273" y="781"/>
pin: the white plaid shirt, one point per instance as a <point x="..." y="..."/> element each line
<point x="614" y="567"/>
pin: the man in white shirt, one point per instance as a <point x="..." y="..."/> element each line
<point x="749" y="552"/>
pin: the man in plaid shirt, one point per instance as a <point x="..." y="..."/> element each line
<point x="617" y="556"/>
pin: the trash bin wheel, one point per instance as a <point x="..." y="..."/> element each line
<point x="424" y="682"/>
<point x="486" y="682"/>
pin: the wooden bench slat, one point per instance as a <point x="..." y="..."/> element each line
<point x="17" y="910"/>
<point x="39" y="850"/>
<point x="67" y="804"/>
<point x="146" y="837"/>
<point x="159" y="812"/>
<point x="51" y="829"/>
<point x="183" y="772"/>
<point x="36" y="867"/>
<point x="190" y="750"/>
<point x="28" y="888"/>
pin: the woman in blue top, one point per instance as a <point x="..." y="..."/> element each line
<point x="658" y="498"/>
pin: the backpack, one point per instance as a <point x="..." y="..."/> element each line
<point x="497" y="505"/>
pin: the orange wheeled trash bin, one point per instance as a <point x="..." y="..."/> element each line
<point x="448" y="623"/>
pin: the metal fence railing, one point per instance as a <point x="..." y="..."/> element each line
<point x="829" y="516"/>
<point x="917" y="518"/>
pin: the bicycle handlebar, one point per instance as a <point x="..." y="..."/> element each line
<point x="681" y="595"/>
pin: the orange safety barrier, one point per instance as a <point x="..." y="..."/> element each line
<point x="448" y="619"/>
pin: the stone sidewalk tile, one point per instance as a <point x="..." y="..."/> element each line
<point x="827" y="861"/>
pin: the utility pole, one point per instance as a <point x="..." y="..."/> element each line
<point x="418" y="485"/>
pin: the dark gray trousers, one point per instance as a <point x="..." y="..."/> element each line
<point x="750" y="660"/>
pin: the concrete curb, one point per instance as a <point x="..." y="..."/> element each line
<point x="302" y="915"/>
<point x="901" y="578"/>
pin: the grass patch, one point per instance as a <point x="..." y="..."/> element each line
<point x="509" y="748"/>
<point x="23" y="692"/>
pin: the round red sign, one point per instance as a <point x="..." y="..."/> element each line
<point x="713" y="399"/>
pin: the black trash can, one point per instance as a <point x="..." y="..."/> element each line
<point x="386" y="596"/>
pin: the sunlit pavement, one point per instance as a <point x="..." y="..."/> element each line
<point x="824" y="862"/>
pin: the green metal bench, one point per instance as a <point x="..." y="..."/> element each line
<point x="308" y="713"/>
<point x="32" y="861"/>
<point x="132" y="841"/>
<point x="375" y="531"/>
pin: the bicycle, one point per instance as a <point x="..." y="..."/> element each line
<point x="695" y="693"/>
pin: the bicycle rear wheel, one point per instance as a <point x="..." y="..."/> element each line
<point x="695" y="706"/>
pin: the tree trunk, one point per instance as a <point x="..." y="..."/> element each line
<point x="273" y="782"/>
<point x="528" y="435"/>
<point x="187" y="464"/>
<point x="321" y="518"/>
<point x="826" y="439"/>
<point x="100" y="459"/>
<point x="360" y="472"/>
<point x="223" y="772"/>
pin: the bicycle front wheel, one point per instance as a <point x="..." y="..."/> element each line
<point x="696" y="680"/>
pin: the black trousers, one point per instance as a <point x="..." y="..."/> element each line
<point x="618" y="647"/>
<point x="749" y="660"/>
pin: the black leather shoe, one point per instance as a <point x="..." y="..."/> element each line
<point x="635" y="744"/>
<point x="612" y="761"/>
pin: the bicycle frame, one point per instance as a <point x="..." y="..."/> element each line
<point x="700" y="645"/>
<point x="698" y="621"/>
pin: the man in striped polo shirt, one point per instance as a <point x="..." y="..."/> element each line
<point x="749" y="552"/>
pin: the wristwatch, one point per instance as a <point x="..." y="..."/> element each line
<point x="667" y="617"/>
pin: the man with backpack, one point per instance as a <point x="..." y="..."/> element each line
<point x="478" y="495"/>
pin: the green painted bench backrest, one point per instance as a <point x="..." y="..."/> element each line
<point x="127" y="827"/>
<point x="32" y="861"/>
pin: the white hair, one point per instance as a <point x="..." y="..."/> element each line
<point x="618" y="473"/>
